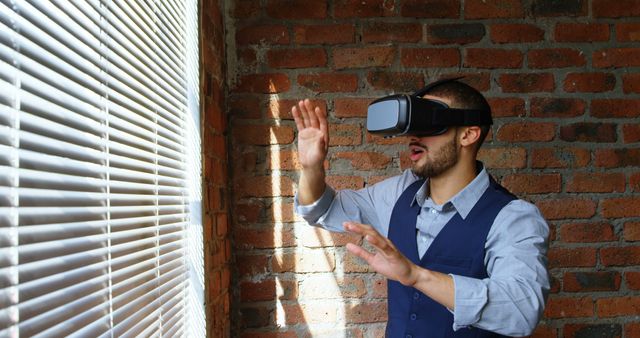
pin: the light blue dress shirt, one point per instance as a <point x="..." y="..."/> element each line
<point x="509" y="302"/>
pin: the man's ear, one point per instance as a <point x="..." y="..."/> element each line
<point x="470" y="135"/>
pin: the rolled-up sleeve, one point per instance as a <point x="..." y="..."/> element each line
<point x="511" y="300"/>
<point x="371" y="205"/>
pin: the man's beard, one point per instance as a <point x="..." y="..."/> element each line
<point x="441" y="161"/>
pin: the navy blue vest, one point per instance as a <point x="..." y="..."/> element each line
<point x="458" y="249"/>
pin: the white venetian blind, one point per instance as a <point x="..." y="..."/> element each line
<point x="99" y="169"/>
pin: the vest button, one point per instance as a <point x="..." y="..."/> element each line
<point x="408" y="336"/>
<point x="416" y="295"/>
<point x="413" y="316"/>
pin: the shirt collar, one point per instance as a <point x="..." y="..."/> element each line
<point x="465" y="199"/>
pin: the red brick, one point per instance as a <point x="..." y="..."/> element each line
<point x="353" y="263"/>
<point x="247" y="58"/>
<point x="365" y="160"/>
<point x="491" y="9"/>
<point x="281" y="108"/>
<point x="263" y="134"/>
<point x="567" y="208"/>
<point x="544" y="331"/>
<point x="527" y="82"/>
<point x="620" y="207"/>
<point x="632" y="279"/>
<point x="608" y="108"/>
<point x="620" y="256"/>
<point x="632" y="330"/>
<point x="265" y="186"/>
<point x="551" y="8"/>
<point x="309" y="313"/>
<point x="618" y="306"/>
<point x="596" y="182"/>
<point x="631" y="231"/>
<point x="244" y="106"/>
<point x="587" y="232"/>
<point x="617" y="158"/>
<point x="557" y="107"/>
<point x="591" y="281"/>
<point x="362" y="9"/>
<point x="325" y="286"/>
<point x="362" y="57"/>
<point x="345" y="182"/>
<point x="398" y="82"/>
<point x="351" y="107"/>
<point x="515" y="33"/>
<point x="589" y="82"/>
<point x="631" y="83"/>
<point x="264" y="83"/>
<point x="248" y="211"/>
<point x="581" y="32"/>
<point x="532" y="183"/>
<point x="493" y="58"/>
<point x="631" y="133"/>
<point x="634" y="182"/>
<point x="461" y="33"/>
<point x="560" y="157"/>
<point x="506" y="106"/>
<point x="433" y="9"/>
<point x="282" y="212"/>
<point x="571" y="257"/>
<point x="329" y="82"/>
<point x="430" y="57"/>
<point x="296" y="9"/>
<point x="510" y="157"/>
<point x="589" y="132"/>
<point x="307" y="260"/>
<point x="569" y="307"/>
<point x="258" y="291"/>
<point x="269" y="34"/>
<point x="250" y="265"/>
<point x="616" y="9"/>
<point x="592" y="330"/>
<point x="555" y="58"/>
<point x="527" y="132"/>
<point x="283" y="160"/>
<point x="345" y="134"/>
<point x="378" y="31"/>
<point x="616" y="58"/>
<point x="247" y="9"/>
<point x="324" y="34"/>
<point x="479" y="81"/>
<point x="373" y="312"/>
<point x="297" y="58"/>
<point x="628" y="32"/>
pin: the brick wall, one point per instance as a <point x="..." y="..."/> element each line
<point x="217" y="241"/>
<point x="563" y="81"/>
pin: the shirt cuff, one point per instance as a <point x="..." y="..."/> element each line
<point x="312" y="212"/>
<point x="471" y="295"/>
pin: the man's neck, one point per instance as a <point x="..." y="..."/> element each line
<point x="443" y="187"/>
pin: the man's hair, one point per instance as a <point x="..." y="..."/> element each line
<point x="463" y="96"/>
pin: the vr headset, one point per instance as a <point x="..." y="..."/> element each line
<point x="404" y="114"/>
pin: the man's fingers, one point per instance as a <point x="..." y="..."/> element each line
<point x="313" y="117"/>
<point x="323" y="127"/>
<point x="305" y="113"/>
<point x="298" y="118"/>
<point x="359" y="228"/>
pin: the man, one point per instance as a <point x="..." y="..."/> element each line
<point x="463" y="257"/>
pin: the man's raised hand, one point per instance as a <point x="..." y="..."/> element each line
<point x="313" y="134"/>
